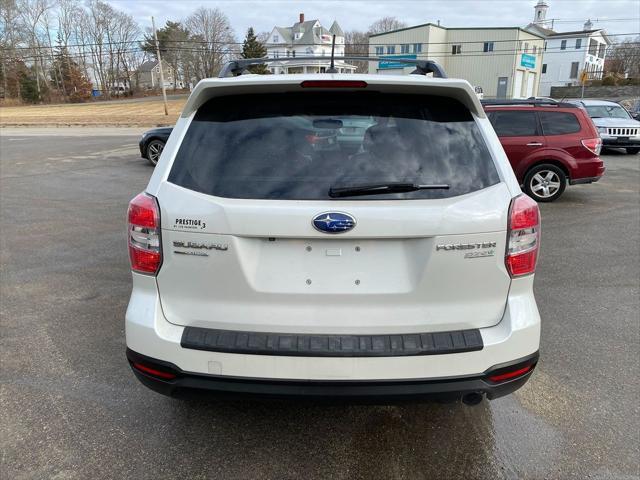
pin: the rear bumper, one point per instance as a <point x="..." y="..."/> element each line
<point x="578" y="181"/>
<point x="452" y="388"/>
<point x="516" y="336"/>
<point x="620" y="142"/>
<point x="587" y="171"/>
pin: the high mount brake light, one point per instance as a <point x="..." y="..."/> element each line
<point x="523" y="241"/>
<point x="594" y="145"/>
<point x="143" y="230"/>
<point x="333" y="84"/>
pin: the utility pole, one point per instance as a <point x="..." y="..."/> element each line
<point x="164" y="92"/>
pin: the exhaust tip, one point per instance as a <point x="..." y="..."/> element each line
<point x="472" y="398"/>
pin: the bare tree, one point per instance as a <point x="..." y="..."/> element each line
<point x="94" y="24"/>
<point x="10" y="37"/>
<point x="126" y="34"/>
<point x="385" y="24"/>
<point x="32" y="13"/>
<point x="624" y="58"/>
<point x="357" y="44"/>
<point x="213" y="40"/>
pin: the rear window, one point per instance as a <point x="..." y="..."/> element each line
<point x="559" y="123"/>
<point x="607" y="111"/>
<point x="298" y="146"/>
<point x="513" y="123"/>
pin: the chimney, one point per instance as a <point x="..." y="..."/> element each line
<point x="301" y="17"/>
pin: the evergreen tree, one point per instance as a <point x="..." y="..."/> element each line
<point x="175" y="48"/>
<point x="252" y="48"/>
<point x="28" y="88"/>
<point x="76" y="85"/>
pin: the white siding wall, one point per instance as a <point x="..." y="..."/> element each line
<point x="473" y="64"/>
<point x="559" y="61"/>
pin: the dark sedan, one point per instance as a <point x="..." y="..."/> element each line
<point x="152" y="143"/>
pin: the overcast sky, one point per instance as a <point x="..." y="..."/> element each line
<point x="263" y="15"/>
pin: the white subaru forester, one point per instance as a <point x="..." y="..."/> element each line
<point x="333" y="235"/>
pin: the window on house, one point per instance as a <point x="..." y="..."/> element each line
<point x="563" y="45"/>
<point x="578" y="43"/>
<point x="276" y="39"/>
<point x="456" y="49"/>
<point x="526" y="47"/>
<point x="535" y="49"/>
<point x="593" y="47"/>
<point x="417" y="48"/>
<point x="404" y="48"/>
<point x="288" y="53"/>
<point x="488" y="47"/>
<point x="379" y="50"/>
<point x="544" y="68"/>
<point x="601" y="50"/>
<point x="574" y="69"/>
<point x="391" y="49"/>
<point x="545" y="45"/>
<point x="293" y="53"/>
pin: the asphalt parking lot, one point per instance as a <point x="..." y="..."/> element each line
<point x="71" y="408"/>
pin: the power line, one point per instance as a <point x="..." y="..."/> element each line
<point x="270" y="45"/>
<point x="229" y="52"/>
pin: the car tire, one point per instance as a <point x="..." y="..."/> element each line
<point x="154" y="150"/>
<point x="633" y="150"/>
<point x="545" y="183"/>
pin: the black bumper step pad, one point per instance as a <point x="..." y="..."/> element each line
<point x="302" y="345"/>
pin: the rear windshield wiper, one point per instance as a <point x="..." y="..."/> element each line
<point x="381" y="189"/>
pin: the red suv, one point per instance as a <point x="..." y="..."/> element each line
<point x="549" y="144"/>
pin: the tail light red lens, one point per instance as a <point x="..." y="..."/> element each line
<point x="594" y="145"/>
<point x="145" y="250"/>
<point x="502" y="377"/>
<point x="154" y="372"/>
<point x="523" y="242"/>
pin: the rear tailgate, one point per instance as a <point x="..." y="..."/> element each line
<point x="240" y="250"/>
<point x="425" y="265"/>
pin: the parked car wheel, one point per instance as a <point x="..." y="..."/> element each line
<point x="633" y="150"/>
<point x="154" y="149"/>
<point x="545" y="183"/>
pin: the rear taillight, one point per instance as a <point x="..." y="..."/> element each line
<point x="145" y="251"/>
<point x="313" y="139"/>
<point x="523" y="241"/>
<point x="594" y="145"/>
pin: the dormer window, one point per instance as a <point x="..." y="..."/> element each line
<point x="275" y="39"/>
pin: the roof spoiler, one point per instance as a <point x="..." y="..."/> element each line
<point x="533" y="102"/>
<point x="423" y="67"/>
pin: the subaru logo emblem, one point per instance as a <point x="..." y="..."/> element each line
<point x="333" y="222"/>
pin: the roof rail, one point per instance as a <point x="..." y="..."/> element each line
<point x="423" y="67"/>
<point x="533" y="102"/>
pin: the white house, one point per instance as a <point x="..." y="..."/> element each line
<point x="304" y="39"/>
<point x="568" y="54"/>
